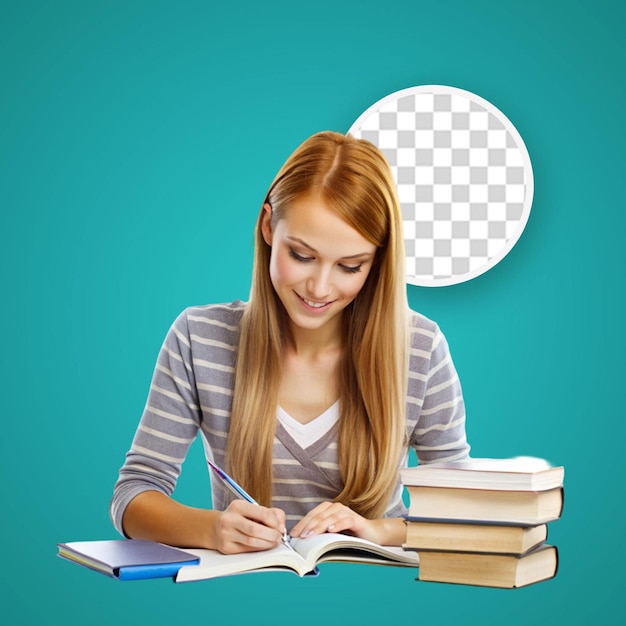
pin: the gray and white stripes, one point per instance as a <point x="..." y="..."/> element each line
<point x="191" y="392"/>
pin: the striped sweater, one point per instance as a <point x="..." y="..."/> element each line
<point x="191" y="393"/>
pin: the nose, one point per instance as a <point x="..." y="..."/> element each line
<point x="319" y="284"/>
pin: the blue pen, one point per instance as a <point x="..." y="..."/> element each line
<point x="241" y="493"/>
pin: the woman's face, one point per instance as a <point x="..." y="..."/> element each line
<point x="318" y="262"/>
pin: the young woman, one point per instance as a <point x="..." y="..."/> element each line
<point x="309" y="394"/>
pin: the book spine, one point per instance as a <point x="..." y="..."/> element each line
<point x="478" y="522"/>
<point x="160" y="570"/>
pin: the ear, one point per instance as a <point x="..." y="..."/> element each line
<point x="266" y="224"/>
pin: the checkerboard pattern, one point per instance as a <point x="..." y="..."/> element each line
<point x="464" y="179"/>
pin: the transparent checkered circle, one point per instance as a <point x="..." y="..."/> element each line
<point x="464" y="179"/>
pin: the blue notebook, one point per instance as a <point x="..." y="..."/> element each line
<point x="127" y="559"/>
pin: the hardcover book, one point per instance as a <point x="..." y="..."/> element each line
<point x="455" y="537"/>
<point x="489" y="570"/>
<point x="128" y="559"/>
<point x="522" y="473"/>
<point x="488" y="506"/>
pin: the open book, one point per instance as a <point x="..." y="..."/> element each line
<point x="302" y="560"/>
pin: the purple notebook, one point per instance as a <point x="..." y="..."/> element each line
<point x="127" y="559"/>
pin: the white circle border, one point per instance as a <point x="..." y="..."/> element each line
<point x="528" y="171"/>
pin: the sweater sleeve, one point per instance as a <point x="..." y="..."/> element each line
<point x="435" y="411"/>
<point x="439" y="434"/>
<point x="168" y="426"/>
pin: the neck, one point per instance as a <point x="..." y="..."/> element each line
<point x="312" y="343"/>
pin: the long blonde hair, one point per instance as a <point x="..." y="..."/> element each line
<point x="353" y="178"/>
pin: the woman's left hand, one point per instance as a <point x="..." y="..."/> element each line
<point x="333" y="517"/>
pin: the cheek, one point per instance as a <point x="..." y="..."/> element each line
<point x="284" y="270"/>
<point x="351" y="284"/>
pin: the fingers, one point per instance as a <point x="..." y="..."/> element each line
<point x="329" y="517"/>
<point x="280" y="516"/>
<point x="247" y="527"/>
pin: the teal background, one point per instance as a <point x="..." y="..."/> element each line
<point x="137" y="140"/>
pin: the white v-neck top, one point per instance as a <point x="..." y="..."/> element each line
<point x="307" y="434"/>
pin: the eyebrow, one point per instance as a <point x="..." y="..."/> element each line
<point x="364" y="255"/>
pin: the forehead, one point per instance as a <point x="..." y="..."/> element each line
<point x="310" y="220"/>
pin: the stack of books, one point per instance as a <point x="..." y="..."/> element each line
<point x="484" y="521"/>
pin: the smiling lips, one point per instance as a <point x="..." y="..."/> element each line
<point x="312" y="305"/>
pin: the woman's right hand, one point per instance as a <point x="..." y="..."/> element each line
<point x="247" y="527"/>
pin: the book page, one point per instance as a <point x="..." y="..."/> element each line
<point x="345" y="548"/>
<point x="214" y="563"/>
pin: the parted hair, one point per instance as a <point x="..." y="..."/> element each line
<point x="352" y="178"/>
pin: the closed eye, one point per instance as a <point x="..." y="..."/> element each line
<point x="349" y="269"/>
<point x="299" y="257"/>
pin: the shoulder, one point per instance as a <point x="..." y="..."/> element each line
<point x="227" y="314"/>
<point x="214" y="322"/>
<point x="424" y="333"/>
